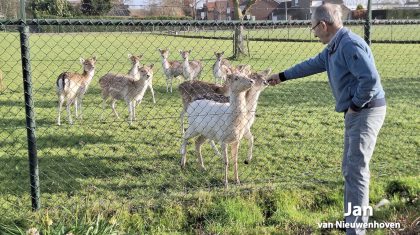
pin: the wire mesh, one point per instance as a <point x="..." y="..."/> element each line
<point x="298" y="137"/>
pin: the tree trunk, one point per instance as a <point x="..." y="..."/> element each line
<point x="239" y="44"/>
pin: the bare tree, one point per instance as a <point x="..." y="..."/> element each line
<point x="239" y="14"/>
<point x="166" y="8"/>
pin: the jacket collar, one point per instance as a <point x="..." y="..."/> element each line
<point x="333" y="44"/>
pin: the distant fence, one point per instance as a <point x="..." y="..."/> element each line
<point x="297" y="135"/>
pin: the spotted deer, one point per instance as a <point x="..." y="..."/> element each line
<point x="124" y="87"/>
<point x="190" y="69"/>
<point x="171" y="69"/>
<point x="71" y="87"/>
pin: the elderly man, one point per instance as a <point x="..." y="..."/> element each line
<point x="358" y="92"/>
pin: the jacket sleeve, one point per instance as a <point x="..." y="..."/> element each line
<point x="359" y="60"/>
<point x="306" y="68"/>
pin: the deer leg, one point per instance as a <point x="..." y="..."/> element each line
<point x="113" y="101"/>
<point x="171" y="79"/>
<point x="235" y="148"/>
<point x="198" y="143"/>
<point x="248" y="135"/>
<point x="69" y="103"/>
<point x="153" y="93"/>
<point x="226" y="161"/>
<point x="134" y="109"/>
<point x="130" y="112"/>
<point x="187" y="135"/>
<point x="76" y="108"/>
<point x="60" y="106"/>
<point x="214" y="147"/>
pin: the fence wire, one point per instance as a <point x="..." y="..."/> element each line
<point x="298" y="136"/>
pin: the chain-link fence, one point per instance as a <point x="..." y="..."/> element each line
<point x="298" y="136"/>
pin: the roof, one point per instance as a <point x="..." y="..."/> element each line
<point x="376" y="5"/>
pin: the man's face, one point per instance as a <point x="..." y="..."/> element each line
<point x="320" y="30"/>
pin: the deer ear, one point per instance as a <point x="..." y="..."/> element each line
<point x="81" y="60"/>
<point x="141" y="56"/>
<point x="189" y="51"/>
<point x="151" y="66"/>
<point x="222" y="53"/>
<point x="265" y="72"/>
<point x="129" y="55"/>
<point x="215" y="53"/>
<point x="180" y="51"/>
<point x="160" y="50"/>
<point x="94" y="58"/>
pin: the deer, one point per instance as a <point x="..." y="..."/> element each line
<point x="135" y="64"/>
<point x="194" y="91"/>
<point x="221" y="122"/>
<point x="171" y="69"/>
<point x="135" y="60"/>
<point x="190" y="69"/>
<point x="124" y="87"/>
<point x="71" y="87"/>
<point x="221" y="68"/>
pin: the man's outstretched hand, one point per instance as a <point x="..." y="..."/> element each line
<point x="274" y="79"/>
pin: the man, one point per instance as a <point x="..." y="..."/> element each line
<point x="358" y="92"/>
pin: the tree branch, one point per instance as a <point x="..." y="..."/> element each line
<point x="249" y="4"/>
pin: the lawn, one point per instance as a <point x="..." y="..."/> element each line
<point x="116" y="177"/>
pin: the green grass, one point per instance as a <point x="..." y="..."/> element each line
<point x="115" y="177"/>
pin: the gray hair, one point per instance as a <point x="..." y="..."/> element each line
<point x="329" y="13"/>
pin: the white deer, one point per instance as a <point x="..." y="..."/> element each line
<point x="172" y="69"/>
<point x="73" y="86"/>
<point x="190" y="69"/>
<point x="214" y="92"/>
<point x="124" y="87"/>
<point x="221" y="122"/>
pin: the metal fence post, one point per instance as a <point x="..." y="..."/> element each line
<point x="30" y="117"/>
<point x="29" y="110"/>
<point x="368" y="23"/>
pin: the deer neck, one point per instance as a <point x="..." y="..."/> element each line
<point x="186" y="63"/>
<point x="238" y="103"/>
<point x="134" y="71"/>
<point x="252" y="100"/>
<point x="218" y="62"/>
<point x="165" y="63"/>
<point x="89" y="75"/>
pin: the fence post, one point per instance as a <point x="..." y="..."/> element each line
<point x="29" y="110"/>
<point x="368" y="22"/>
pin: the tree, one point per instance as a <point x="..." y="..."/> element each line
<point x="239" y="14"/>
<point x="95" y="7"/>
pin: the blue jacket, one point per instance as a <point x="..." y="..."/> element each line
<point x="351" y="71"/>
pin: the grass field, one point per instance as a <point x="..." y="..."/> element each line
<point x="112" y="177"/>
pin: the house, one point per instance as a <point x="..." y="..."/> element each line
<point x="263" y="9"/>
